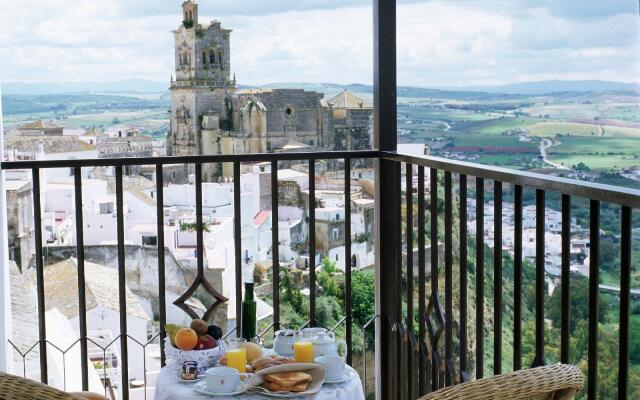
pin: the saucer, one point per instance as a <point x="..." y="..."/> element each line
<point x="348" y="374"/>
<point x="201" y="388"/>
<point x="188" y="381"/>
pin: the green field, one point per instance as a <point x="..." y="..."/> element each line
<point x="106" y="119"/>
<point x="596" y="152"/>
<point x="571" y="128"/>
<point x="596" y="162"/>
<point x="429" y="113"/>
<point x="491" y="141"/>
<point x="621" y="131"/>
<point x="596" y="146"/>
<point x="568" y="111"/>
<point x="500" y="125"/>
<point x="553" y="128"/>
<point x="519" y="161"/>
<point x="100" y="119"/>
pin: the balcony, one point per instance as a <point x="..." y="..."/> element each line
<point x="419" y="348"/>
<point x="431" y="245"/>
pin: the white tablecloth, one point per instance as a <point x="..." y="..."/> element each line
<point x="168" y="388"/>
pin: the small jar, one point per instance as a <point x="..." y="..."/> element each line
<point x="189" y="371"/>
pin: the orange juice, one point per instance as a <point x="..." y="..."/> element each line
<point x="237" y="358"/>
<point x="303" y="352"/>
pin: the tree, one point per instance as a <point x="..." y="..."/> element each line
<point x="578" y="303"/>
<point x="328" y="311"/>
<point x="634" y="333"/>
<point x="292" y="295"/>
<point x="363" y="294"/>
<point x="327" y="281"/>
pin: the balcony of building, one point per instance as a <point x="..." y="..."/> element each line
<point x="428" y="331"/>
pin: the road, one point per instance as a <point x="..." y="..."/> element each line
<point x="545" y="143"/>
<point x="616" y="290"/>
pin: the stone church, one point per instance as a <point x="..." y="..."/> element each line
<point x="209" y="115"/>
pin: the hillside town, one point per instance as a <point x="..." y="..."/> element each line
<point x="209" y="115"/>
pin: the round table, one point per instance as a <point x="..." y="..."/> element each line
<point x="168" y="387"/>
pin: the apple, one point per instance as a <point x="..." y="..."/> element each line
<point x="206" y="342"/>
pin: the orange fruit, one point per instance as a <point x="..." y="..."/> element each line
<point x="186" y="339"/>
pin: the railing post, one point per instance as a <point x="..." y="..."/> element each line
<point x="540" y="283"/>
<point x="384" y="131"/>
<point x="5" y="300"/>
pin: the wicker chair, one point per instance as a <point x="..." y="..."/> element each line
<point x="17" y="388"/>
<point x="552" y="382"/>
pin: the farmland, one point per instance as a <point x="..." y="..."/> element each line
<point x="599" y="131"/>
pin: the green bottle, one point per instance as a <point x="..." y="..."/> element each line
<point x="248" y="318"/>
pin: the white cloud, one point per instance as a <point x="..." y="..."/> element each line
<point x="439" y="43"/>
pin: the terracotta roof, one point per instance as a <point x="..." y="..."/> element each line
<point x="261" y="217"/>
<point x="94" y="132"/>
<point x="61" y="283"/>
<point x="347" y="99"/>
<point x="39" y="124"/>
<point x="50" y="144"/>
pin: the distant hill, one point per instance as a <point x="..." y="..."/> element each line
<point x="123" y="86"/>
<point x="514" y="90"/>
<point x="403" y="91"/>
<point x="553" y="86"/>
<point x="75" y="103"/>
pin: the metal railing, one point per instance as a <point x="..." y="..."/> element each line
<point x="435" y="325"/>
<point x="200" y="280"/>
<point x="407" y="366"/>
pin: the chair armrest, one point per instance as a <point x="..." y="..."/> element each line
<point x="89" y="396"/>
<point x="560" y="379"/>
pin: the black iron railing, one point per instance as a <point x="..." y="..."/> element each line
<point x="407" y="365"/>
<point x="200" y="281"/>
<point x="434" y="343"/>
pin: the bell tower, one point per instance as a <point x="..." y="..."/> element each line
<point x="190" y="13"/>
<point x="202" y="86"/>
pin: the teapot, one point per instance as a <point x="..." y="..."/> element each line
<point x="324" y="342"/>
<point x="283" y="342"/>
<point x="309" y="333"/>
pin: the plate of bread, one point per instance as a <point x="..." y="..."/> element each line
<point x="288" y="380"/>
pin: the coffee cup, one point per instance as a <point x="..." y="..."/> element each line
<point x="222" y="379"/>
<point x="333" y="366"/>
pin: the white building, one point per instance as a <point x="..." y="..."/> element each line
<point x="102" y="305"/>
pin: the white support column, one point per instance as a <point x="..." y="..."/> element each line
<point x="5" y="298"/>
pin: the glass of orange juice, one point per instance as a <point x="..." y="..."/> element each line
<point x="303" y="352"/>
<point x="237" y="354"/>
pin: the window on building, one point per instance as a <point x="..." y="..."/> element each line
<point x="212" y="57"/>
<point x="204" y="57"/>
<point x="149" y="240"/>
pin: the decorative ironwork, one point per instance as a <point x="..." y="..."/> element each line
<point x="436" y="321"/>
<point x="200" y="280"/>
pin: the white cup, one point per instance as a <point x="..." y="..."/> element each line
<point x="333" y="366"/>
<point x="222" y="379"/>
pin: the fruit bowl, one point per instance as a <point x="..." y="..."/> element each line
<point x="204" y="358"/>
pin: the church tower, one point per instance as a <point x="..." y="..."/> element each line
<point x="190" y="13"/>
<point x="202" y="85"/>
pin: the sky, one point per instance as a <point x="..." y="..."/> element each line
<point x="440" y="43"/>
